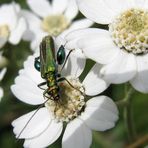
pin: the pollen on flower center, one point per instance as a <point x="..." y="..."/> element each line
<point x="4" y="31"/>
<point x="71" y="103"/>
<point x="55" y="24"/>
<point x="130" y="31"/>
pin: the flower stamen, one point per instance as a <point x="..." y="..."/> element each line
<point x="71" y="102"/>
<point x="130" y="31"/>
<point x="55" y="24"/>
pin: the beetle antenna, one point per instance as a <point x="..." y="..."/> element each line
<point x="66" y="60"/>
<point x="30" y="119"/>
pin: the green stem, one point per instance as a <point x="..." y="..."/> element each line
<point x="128" y="115"/>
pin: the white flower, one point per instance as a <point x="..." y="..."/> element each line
<point x="51" y="18"/>
<point x="124" y="48"/>
<point x="99" y="113"/>
<point x="12" y="24"/>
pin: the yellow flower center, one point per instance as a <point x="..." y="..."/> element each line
<point x="55" y="24"/>
<point x="71" y="103"/>
<point x="130" y="31"/>
<point x="4" y="31"/>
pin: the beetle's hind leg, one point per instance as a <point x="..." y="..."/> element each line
<point x="64" y="79"/>
<point x="45" y="96"/>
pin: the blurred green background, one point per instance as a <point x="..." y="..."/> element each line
<point x="11" y="108"/>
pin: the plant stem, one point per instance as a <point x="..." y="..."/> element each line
<point x="128" y="115"/>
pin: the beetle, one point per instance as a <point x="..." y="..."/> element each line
<point x="47" y="64"/>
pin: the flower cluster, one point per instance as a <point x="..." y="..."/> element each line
<point x="73" y="64"/>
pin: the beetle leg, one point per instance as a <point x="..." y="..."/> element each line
<point x="42" y="84"/>
<point x="66" y="60"/>
<point x="64" y="79"/>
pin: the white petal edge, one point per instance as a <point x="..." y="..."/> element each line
<point x="77" y="135"/>
<point x="78" y="39"/>
<point x="93" y="83"/>
<point x="9" y="14"/>
<point x="33" y="23"/>
<point x="38" y="7"/>
<point x="75" y="65"/>
<point x="32" y="124"/>
<point x="30" y="70"/>
<point x="118" y="6"/>
<point x="50" y="135"/>
<point x="96" y="10"/>
<point x="72" y="10"/>
<point x="100" y="113"/>
<point x="140" y="81"/>
<point x="100" y="47"/>
<point x="73" y="37"/>
<point x="18" y="32"/>
<point x="122" y="69"/>
<point x="26" y="96"/>
<point x="58" y="7"/>
<point x="80" y="24"/>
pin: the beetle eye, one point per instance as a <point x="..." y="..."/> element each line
<point x="37" y="64"/>
<point x="61" y="55"/>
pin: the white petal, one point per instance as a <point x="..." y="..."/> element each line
<point x="38" y="122"/>
<point x="100" y="47"/>
<point x="38" y="38"/>
<point x="59" y="6"/>
<point x="22" y="81"/>
<point x="140" y="81"/>
<point x="80" y="24"/>
<point x="1" y="93"/>
<point x="61" y="41"/>
<point x="72" y="10"/>
<point x="77" y="135"/>
<point x="50" y="135"/>
<point x="2" y="73"/>
<point x="8" y="15"/>
<point x="40" y="7"/>
<point x="118" y="6"/>
<point x="73" y="37"/>
<point x="121" y="69"/>
<point x="146" y="4"/>
<point x="75" y="65"/>
<point x="34" y="23"/>
<point x="100" y="113"/>
<point x="93" y="83"/>
<point x="26" y="95"/>
<point x="30" y="70"/>
<point x="138" y="3"/>
<point x="18" y="32"/>
<point x="26" y="88"/>
<point x="96" y="10"/>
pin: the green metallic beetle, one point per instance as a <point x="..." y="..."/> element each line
<point x="47" y="63"/>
